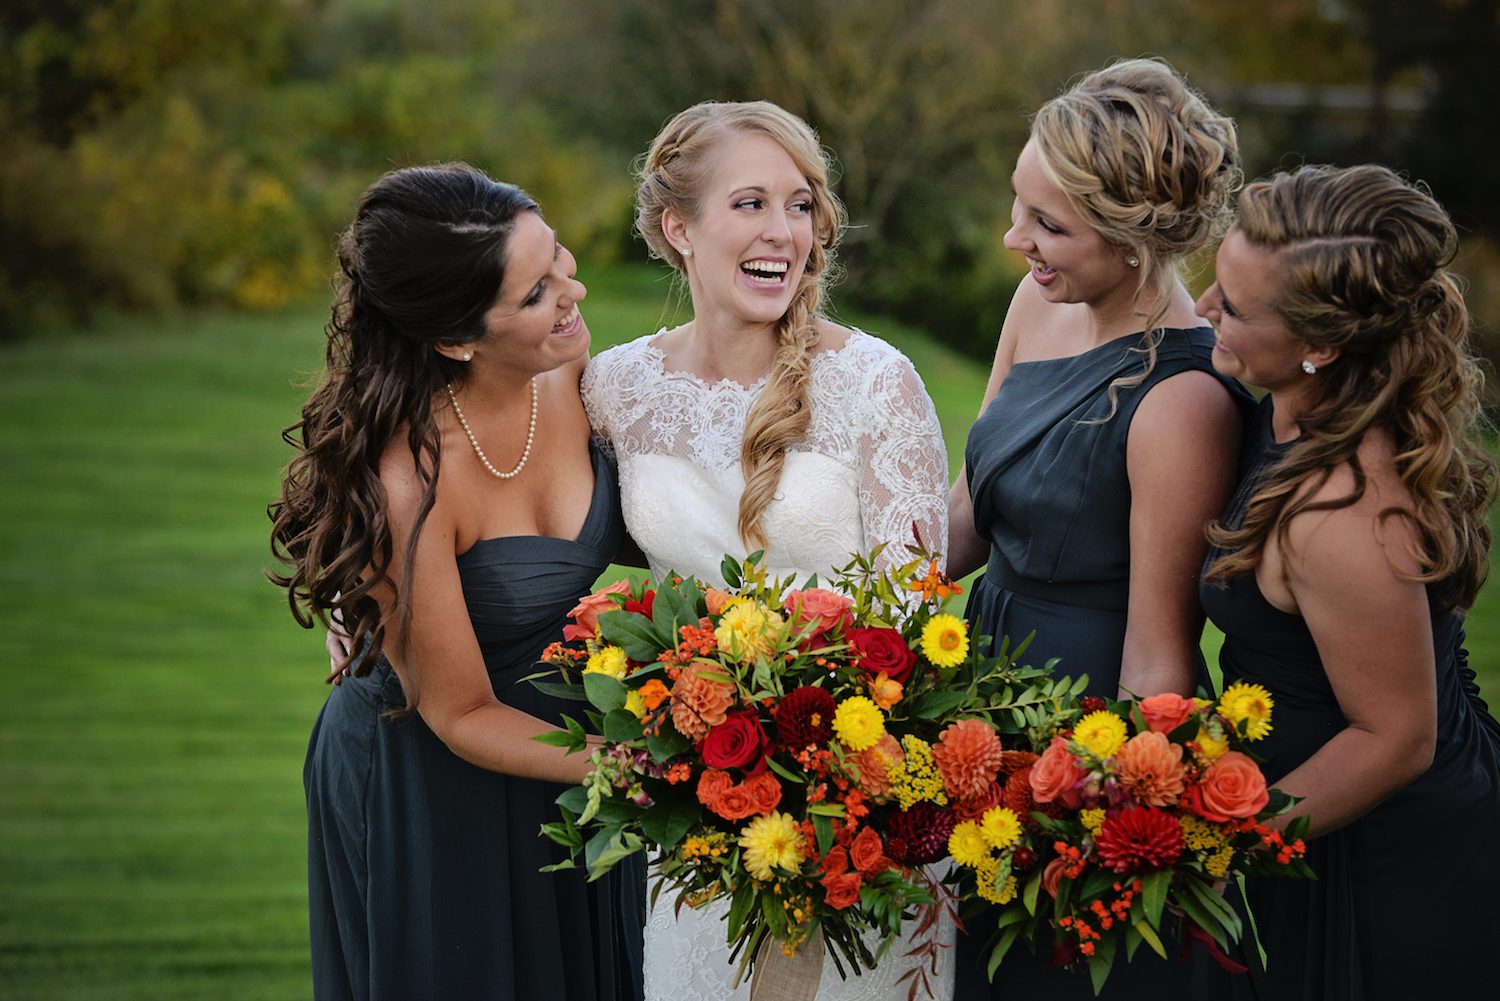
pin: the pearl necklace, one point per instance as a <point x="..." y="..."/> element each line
<point x="530" y="436"/>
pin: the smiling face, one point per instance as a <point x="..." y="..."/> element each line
<point x="1070" y="261"/>
<point x="534" y="325"/>
<point x="752" y="235"/>
<point x="1252" y="343"/>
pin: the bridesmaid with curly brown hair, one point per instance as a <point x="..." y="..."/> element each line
<point x="1340" y="574"/>
<point x="446" y="503"/>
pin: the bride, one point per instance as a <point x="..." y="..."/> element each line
<point x="760" y="424"/>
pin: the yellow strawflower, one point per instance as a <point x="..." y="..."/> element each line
<point x="1000" y="826"/>
<point x="1102" y="732"/>
<point x="945" y="640"/>
<point x="1248" y="704"/>
<point x="610" y="661"/>
<point x="748" y="631"/>
<point x="773" y="841"/>
<point x="1211" y="745"/>
<point x="858" y="723"/>
<point x="967" y="845"/>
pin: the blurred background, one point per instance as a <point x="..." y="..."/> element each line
<point x="173" y="175"/>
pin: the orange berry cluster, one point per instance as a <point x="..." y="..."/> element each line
<point x="1106" y="915"/>
<point x="1076" y="861"/>
<point x="1272" y="838"/>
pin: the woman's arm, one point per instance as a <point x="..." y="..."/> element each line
<point x="438" y="659"/>
<point x="1181" y="458"/>
<point x="1374" y="634"/>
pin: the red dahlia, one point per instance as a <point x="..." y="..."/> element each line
<point x="918" y="835"/>
<point x="805" y="716"/>
<point x="1139" y="840"/>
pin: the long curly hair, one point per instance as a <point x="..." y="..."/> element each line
<point x="421" y="264"/>
<point x="672" y="175"/>
<point x="1365" y="257"/>
<point x="1149" y="165"/>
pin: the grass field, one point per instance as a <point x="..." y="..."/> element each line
<point x="151" y="818"/>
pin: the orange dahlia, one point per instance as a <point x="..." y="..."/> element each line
<point x="968" y="758"/>
<point x="972" y="809"/>
<point x="698" y="703"/>
<point x="873" y="765"/>
<point x="1150" y="769"/>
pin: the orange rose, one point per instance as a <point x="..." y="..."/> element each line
<point x="868" y="854"/>
<point x="716" y="600"/>
<point x="764" y="792"/>
<point x="819" y="611"/>
<point x="1166" y="712"/>
<point x="1234" y="787"/>
<point x="842" y="890"/>
<point x="712" y="785"/>
<point x="586" y="613"/>
<point x="736" y="803"/>
<point x="836" y="862"/>
<point x="1056" y="776"/>
<point x="1150" y="769"/>
<point x="1052" y="875"/>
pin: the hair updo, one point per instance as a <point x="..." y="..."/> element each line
<point x="1364" y="257"/>
<point x="673" y="175"/>
<point x="420" y="265"/>
<point x="1148" y="165"/>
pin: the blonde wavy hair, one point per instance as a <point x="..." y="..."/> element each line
<point x="1148" y="165"/>
<point x="672" y="175"/>
<point x="1365" y="257"/>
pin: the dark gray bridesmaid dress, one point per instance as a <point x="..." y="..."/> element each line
<point x="422" y="867"/>
<point x="1051" y="493"/>
<point x="1404" y="900"/>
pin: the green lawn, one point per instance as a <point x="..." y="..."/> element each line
<point x="151" y="820"/>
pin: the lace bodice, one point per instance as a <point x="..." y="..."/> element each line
<point x="871" y="464"/>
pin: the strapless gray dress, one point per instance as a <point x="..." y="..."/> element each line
<point x="423" y="868"/>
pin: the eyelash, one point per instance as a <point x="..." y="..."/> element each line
<point x="756" y="203"/>
<point x="1048" y="226"/>
<point x="1227" y="309"/>
<point x="536" y="297"/>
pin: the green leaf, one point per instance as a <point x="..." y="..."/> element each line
<point x="671" y="611"/>
<point x="667" y="823"/>
<point x="1154" y="887"/>
<point x="1101" y="961"/>
<point x="826" y="809"/>
<point x="1033" y="887"/>
<point x="561" y="690"/>
<point x="666" y="745"/>
<point x="783" y="771"/>
<point x="730" y="571"/>
<point x="633" y="633"/>
<point x="559" y="738"/>
<point x="606" y="693"/>
<point x="1149" y="934"/>
<point x="1132" y="941"/>
<point x="622" y="727"/>
<point x="1206" y="920"/>
<point x="1215" y="903"/>
<point x="574" y="799"/>
<point x="1007" y="939"/>
<point x="621" y="846"/>
<point x="933" y="705"/>
<point x="823" y="828"/>
<point x="559" y="866"/>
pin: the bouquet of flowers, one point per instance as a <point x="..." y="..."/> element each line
<point x="798" y="752"/>
<point x="1128" y="808"/>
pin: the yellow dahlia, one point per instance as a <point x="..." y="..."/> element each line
<point x="773" y="841"/>
<point x="610" y="661"/>
<point x="945" y="640"/>
<point x="748" y="631"/>
<point x="1000" y="826"/>
<point x="1248" y="704"/>
<point x="1102" y="732"/>
<point x="967" y="845"/>
<point x="858" y="723"/>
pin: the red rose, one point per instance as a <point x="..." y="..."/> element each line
<point x="867" y="853"/>
<point x="738" y="742"/>
<point x="836" y="862"/>
<point x="842" y="890"/>
<point x="883" y="651"/>
<point x="823" y="611"/>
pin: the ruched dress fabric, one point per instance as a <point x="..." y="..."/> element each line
<point x="1051" y="493"/>
<point x="1403" y="903"/>
<point x="423" y="868"/>
<point x="871" y="463"/>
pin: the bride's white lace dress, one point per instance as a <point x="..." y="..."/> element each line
<point x="871" y="464"/>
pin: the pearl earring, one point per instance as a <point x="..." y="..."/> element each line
<point x="687" y="251"/>
<point x="1309" y="367"/>
<point x="1133" y="261"/>
<point x="467" y="356"/>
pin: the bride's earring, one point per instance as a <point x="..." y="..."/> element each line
<point x="1309" y="367"/>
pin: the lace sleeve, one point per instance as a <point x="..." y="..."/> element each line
<point x="595" y="406"/>
<point x="903" y="462"/>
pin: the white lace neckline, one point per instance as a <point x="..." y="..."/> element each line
<point x="659" y="360"/>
